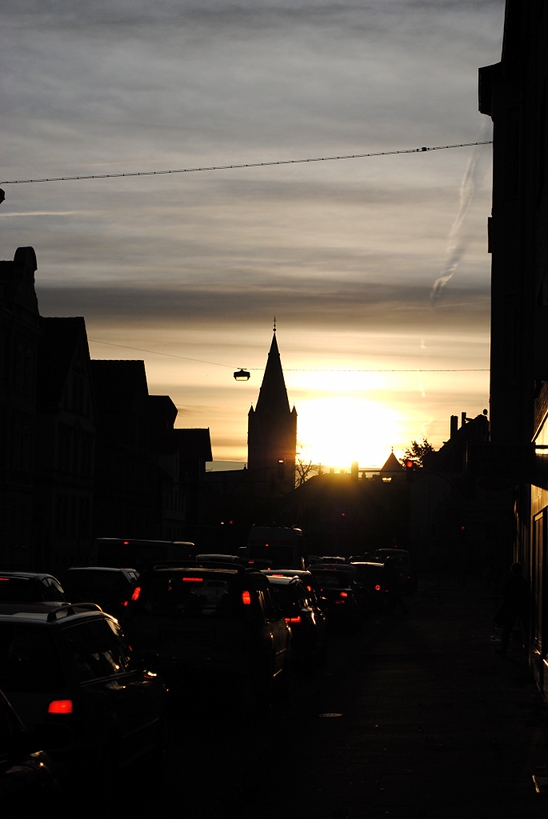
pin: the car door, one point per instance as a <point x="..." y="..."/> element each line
<point x="119" y="706"/>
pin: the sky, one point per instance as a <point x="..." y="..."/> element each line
<point x="375" y="268"/>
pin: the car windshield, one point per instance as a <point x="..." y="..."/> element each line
<point x="30" y="661"/>
<point x="193" y="595"/>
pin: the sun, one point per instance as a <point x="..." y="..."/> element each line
<point x="336" y="431"/>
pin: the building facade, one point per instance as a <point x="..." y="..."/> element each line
<point x="514" y="93"/>
<point x="19" y="337"/>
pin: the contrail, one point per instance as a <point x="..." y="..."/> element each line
<point x="456" y="245"/>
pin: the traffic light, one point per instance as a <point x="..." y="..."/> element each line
<point x="409" y="467"/>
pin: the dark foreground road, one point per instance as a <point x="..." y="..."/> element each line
<point x="415" y="717"/>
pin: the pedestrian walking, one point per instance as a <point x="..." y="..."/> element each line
<point x="515" y="606"/>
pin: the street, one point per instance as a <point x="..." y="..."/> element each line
<point x="415" y="716"/>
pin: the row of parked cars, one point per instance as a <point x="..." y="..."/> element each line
<point x="85" y="661"/>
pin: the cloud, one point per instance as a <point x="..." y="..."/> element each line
<point x="303" y="302"/>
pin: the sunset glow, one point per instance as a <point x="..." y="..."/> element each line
<point x="376" y="267"/>
<point x="337" y="431"/>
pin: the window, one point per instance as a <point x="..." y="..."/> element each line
<point x="96" y="650"/>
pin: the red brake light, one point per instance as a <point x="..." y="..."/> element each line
<point x="136" y="593"/>
<point x="246" y="598"/>
<point x="377" y="587"/>
<point x="60" y="707"/>
<point x="193" y="579"/>
<point x="293" y="619"/>
<point x="343" y="594"/>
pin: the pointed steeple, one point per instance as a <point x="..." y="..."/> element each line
<point x="273" y="393"/>
<point x="272" y="431"/>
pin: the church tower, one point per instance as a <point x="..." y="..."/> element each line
<point x="272" y="432"/>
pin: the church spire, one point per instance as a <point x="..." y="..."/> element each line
<point x="273" y="393"/>
<point x="272" y="431"/>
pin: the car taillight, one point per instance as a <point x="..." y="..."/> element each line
<point x="292" y="620"/>
<point x="60" y="707"/>
<point x="343" y="594"/>
<point x="246" y="598"/>
<point x="193" y="579"/>
<point x="377" y="587"/>
<point x="136" y="593"/>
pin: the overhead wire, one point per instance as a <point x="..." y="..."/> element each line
<point x="294" y="369"/>
<point x="239" y="166"/>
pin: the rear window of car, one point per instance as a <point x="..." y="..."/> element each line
<point x="26" y="590"/>
<point x="97" y="649"/>
<point x="335" y="580"/>
<point x="397" y="558"/>
<point x="195" y="595"/>
<point x="94" y="581"/>
<point x="30" y="659"/>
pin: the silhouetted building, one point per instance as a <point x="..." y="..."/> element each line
<point x="129" y="481"/>
<point x="85" y="451"/>
<point x="514" y="94"/>
<point x="272" y="433"/>
<point x="182" y="455"/>
<point x="65" y="445"/>
<point x="392" y="469"/>
<point x="19" y="336"/>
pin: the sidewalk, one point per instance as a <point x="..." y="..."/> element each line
<point x="426" y="722"/>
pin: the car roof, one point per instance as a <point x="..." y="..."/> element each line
<point x="212" y="568"/>
<point x="375" y="563"/>
<point x="99" y="569"/>
<point x="284" y="580"/>
<point x="29" y="575"/>
<point x="47" y="613"/>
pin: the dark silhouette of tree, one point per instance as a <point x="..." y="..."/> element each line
<point x="303" y="471"/>
<point x="304" y="468"/>
<point x="419" y="452"/>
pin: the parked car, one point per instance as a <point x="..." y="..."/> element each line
<point x="338" y="596"/>
<point x="30" y="587"/>
<point x="28" y="780"/>
<point x="110" y="588"/>
<point x="407" y="578"/>
<point x="302" y="611"/>
<point x="212" y="621"/>
<point x="72" y="665"/>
